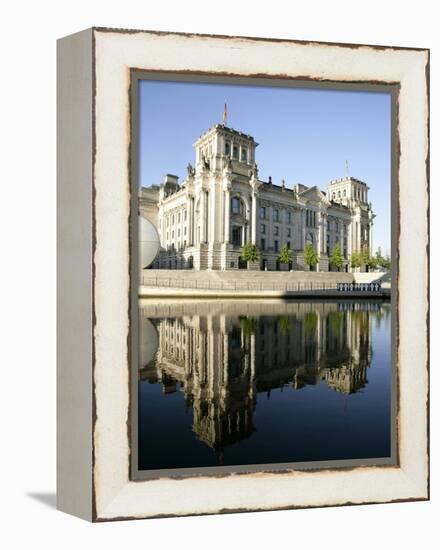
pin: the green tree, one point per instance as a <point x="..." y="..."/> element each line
<point x="356" y="259"/>
<point x="367" y="259"/>
<point x="336" y="257"/>
<point x="285" y="255"/>
<point x="382" y="261"/>
<point x="250" y="253"/>
<point x="311" y="257"/>
<point x="363" y="258"/>
<point x="386" y="262"/>
<point x="379" y="257"/>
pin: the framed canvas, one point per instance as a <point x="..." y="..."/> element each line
<point x="243" y="293"/>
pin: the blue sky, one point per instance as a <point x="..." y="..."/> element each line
<point x="305" y="136"/>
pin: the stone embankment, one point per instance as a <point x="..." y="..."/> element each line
<point x="253" y="284"/>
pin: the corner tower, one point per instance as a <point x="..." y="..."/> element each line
<point x="221" y="146"/>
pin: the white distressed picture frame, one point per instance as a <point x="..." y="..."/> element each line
<point x="94" y="69"/>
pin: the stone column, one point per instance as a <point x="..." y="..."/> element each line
<point x="191" y="222"/>
<point x="269" y="227"/>
<point x="227" y="221"/>
<point x="350" y="238"/>
<point x="320" y="233"/>
<point x="303" y="229"/>
<point x="212" y="213"/>
<point x="203" y="216"/>
<point x="254" y="219"/>
<point x="182" y="226"/>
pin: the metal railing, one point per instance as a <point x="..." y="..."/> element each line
<point x="286" y="286"/>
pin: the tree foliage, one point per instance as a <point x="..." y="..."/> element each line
<point x="382" y="261"/>
<point x="250" y="252"/>
<point x="311" y="257"/>
<point x="336" y="257"/>
<point x="365" y="258"/>
<point x="285" y="255"/>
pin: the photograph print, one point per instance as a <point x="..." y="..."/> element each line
<point x="265" y="303"/>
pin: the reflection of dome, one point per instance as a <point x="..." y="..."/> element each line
<point x="148" y="342"/>
<point x="148" y="242"/>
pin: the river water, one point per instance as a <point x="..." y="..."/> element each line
<point x="241" y="383"/>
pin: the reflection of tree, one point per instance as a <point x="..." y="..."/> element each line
<point x="361" y="319"/>
<point x="284" y="323"/>
<point x="310" y="323"/>
<point x="249" y="325"/>
<point x="336" y="318"/>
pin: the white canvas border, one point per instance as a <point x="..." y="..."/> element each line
<point x="115" y="495"/>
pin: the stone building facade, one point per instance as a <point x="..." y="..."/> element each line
<point x="204" y="222"/>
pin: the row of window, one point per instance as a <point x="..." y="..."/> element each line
<point x="358" y="194"/>
<point x="276" y="245"/>
<point x="173" y="218"/>
<point x="178" y="233"/>
<point x="276" y="230"/>
<point x="337" y="226"/>
<point x="275" y="215"/>
<point x="238" y="153"/>
<point x="310" y="218"/>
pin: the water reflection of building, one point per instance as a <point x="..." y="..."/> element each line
<point x="221" y="361"/>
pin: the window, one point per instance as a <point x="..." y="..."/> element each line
<point x="236" y="235"/>
<point x="236" y="205"/>
<point x="276" y="215"/>
<point x="243" y="154"/>
<point x="337" y="226"/>
<point x="276" y="230"/>
<point x="345" y="193"/>
<point x="276" y="245"/>
<point x="178" y="219"/>
<point x="235" y="152"/>
<point x="328" y="225"/>
<point x="184" y="215"/>
<point x="263" y="213"/>
<point x="172" y="220"/>
<point x="288" y="244"/>
<point x="288" y="217"/>
<point x="227" y="148"/>
<point x="263" y="228"/>
<point x="263" y="244"/>
<point x="289" y="232"/>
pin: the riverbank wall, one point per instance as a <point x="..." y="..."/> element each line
<point x="186" y="284"/>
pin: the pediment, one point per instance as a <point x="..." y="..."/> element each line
<point x="313" y="194"/>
